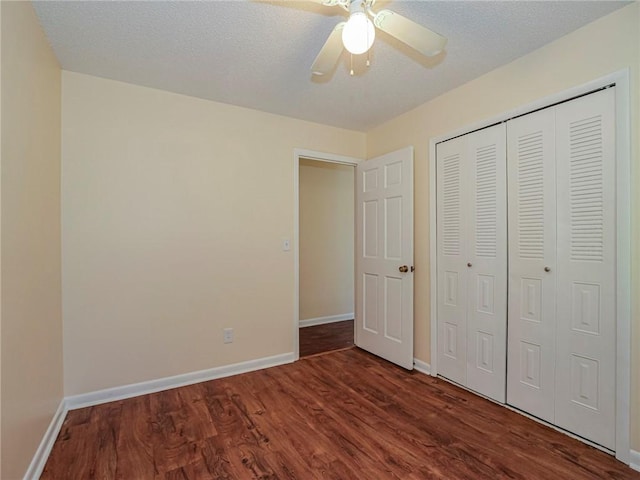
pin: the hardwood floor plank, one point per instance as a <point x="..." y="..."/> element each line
<point x="181" y="422"/>
<point x="193" y="420"/>
<point x="290" y="427"/>
<point x="347" y="428"/>
<point x="79" y="417"/>
<point x="343" y="415"/>
<point x="399" y="437"/>
<point x="79" y="428"/>
<point x="325" y="338"/>
<point x="215" y="459"/>
<point x="69" y="455"/>
<point x="106" y="430"/>
<point x="243" y="443"/>
<point x="134" y="449"/>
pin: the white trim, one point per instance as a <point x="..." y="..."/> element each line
<point x="422" y="367"/>
<point x="310" y="322"/>
<point x="152" y="386"/>
<point x="299" y="153"/>
<point x="39" y="459"/>
<point x="635" y="460"/>
<point x="623" y="235"/>
<point x="623" y="267"/>
<point x="433" y="255"/>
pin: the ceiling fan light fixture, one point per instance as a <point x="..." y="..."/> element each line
<point x="358" y="34"/>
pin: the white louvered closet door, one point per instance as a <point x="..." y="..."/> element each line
<point x="485" y="201"/>
<point x="555" y="215"/>
<point x="472" y="260"/>
<point x="586" y="350"/>
<point x="532" y="263"/>
<point x="451" y="236"/>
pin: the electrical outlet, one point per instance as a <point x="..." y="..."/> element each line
<point x="227" y="335"/>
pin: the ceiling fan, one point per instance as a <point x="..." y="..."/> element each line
<point x="357" y="33"/>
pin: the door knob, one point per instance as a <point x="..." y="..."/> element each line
<point x="547" y="269"/>
<point x="403" y="269"/>
<point x="469" y="265"/>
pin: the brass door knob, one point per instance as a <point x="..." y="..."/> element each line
<point x="469" y="265"/>
<point x="403" y="269"/>
<point x="547" y="269"/>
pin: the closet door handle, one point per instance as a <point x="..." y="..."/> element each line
<point x="547" y="269"/>
<point x="403" y="269"/>
<point x="469" y="265"/>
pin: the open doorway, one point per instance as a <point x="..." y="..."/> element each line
<point x="325" y="267"/>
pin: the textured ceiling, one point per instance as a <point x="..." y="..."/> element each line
<point x="258" y="54"/>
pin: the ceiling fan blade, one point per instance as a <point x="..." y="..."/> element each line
<point x="330" y="52"/>
<point x="422" y="39"/>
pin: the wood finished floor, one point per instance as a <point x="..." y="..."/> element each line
<point x="325" y="338"/>
<point x="343" y="415"/>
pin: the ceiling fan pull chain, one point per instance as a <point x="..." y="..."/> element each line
<point x="351" y="57"/>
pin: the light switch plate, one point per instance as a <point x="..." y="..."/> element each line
<point x="227" y="335"/>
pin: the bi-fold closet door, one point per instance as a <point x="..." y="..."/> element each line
<point x="562" y="327"/>
<point x="472" y="260"/>
<point x="558" y="360"/>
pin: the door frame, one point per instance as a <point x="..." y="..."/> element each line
<point x="623" y="234"/>
<point x="298" y="154"/>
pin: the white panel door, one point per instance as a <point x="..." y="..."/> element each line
<point x="532" y="262"/>
<point x="585" y="360"/>
<point x="451" y="237"/>
<point x="486" y="261"/>
<point x="384" y="257"/>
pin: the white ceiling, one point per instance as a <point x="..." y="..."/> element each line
<point x="258" y="54"/>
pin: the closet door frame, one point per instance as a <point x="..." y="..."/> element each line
<point x="623" y="235"/>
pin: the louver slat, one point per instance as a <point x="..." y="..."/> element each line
<point x="531" y="196"/>
<point x="451" y="206"/>
<point x="586" y="189"/>
<point x="486" y="227"/>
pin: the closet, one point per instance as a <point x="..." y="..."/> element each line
<point x="526" y="264"/>
<point x="472" y="260"/>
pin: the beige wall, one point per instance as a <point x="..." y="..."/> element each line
<point x="31" y="359"/>
<point x="173" y="213"/>
<point x="326" y="239"/>
<point x="600" y="48"/>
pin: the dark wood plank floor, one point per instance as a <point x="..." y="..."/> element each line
<point x="325" y="338"/>
<point x="343" y="415"/>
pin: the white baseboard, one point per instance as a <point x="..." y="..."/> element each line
<point x="127" y="391"/>
<point x="39" y="459"/>
<point x="422" y="367"/>
<point x="635" y="460"/>
<point x="310" y="322"/>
